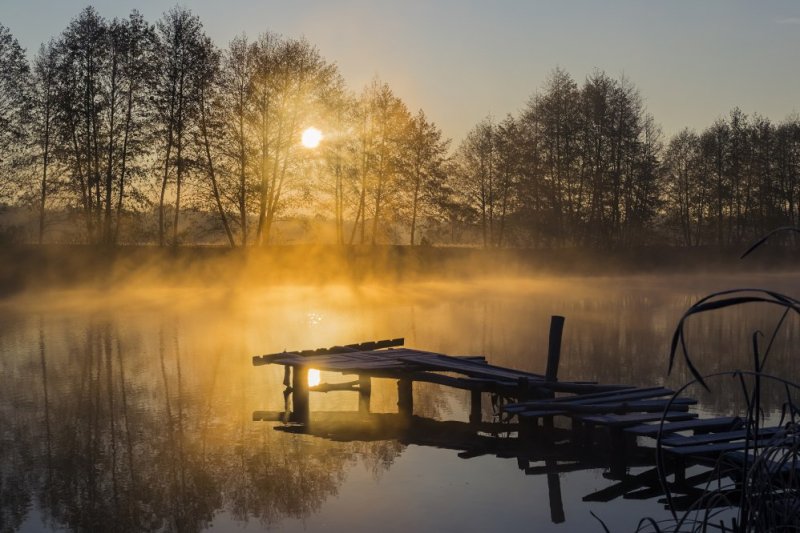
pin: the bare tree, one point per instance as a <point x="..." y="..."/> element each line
<point x="180" y="36"/>
<point x="424" y="167"/>
<point x="210" y="132"/>
<point x="293" y="83"/>
<point x="14" y="109"/>
<point x="44" y="116"/>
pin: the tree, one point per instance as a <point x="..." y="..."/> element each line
<point x="133" y="45"/>
<point x="209" y="136"/>
<point x="180" y="38"/>
<point x="292" y="86"/>
<point x="14" y="109"/>
<point x="553" y="193"/>
<point x="382" y="124"/>
<point x="83" y="100"/>
<point x="237" y="80"/>
<point x="683" y="181"/>
<point x="44" y="113"/>
<point x="475" y="178"/>
<point x="424" y="162"/>
<point x="786" y="160"/>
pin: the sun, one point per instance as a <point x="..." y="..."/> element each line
<point x="313" y="377"/>
<point x="311" y="137"/>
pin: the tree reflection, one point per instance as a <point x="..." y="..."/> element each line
<point x="100" y="435"/>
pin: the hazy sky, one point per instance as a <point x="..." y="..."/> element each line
<point x="461" y="60"/>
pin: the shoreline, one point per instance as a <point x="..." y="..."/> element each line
<point x="31" y="267"/>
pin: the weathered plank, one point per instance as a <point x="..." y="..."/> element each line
<point x="473" y="358"/>
<point x="364" y="346"/>
<point x="620" y="421"/>
<point x="715" y="449"/>
<point x="611" y="397"/>
<point x="441" y="362"/>
<point x="773" y="465"/>
<point x="708" y="424"/>
<point x="724" y="436"/>
<point x="646" y="406"/>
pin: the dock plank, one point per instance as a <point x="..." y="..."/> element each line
<point x="621" y="421"/>
<point x="646" y="406"/>
<point x="718" y="448"/>
<point x="708" y="424"/>
<point x="557" y="403"/>
<point x="724" y="436"/>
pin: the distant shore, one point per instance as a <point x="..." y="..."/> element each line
<point x="27" y="267"/>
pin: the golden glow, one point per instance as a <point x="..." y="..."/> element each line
<point x="313" y="377"/>
<point x="311" y="137"/>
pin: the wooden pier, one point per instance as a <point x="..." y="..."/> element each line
<point x="614" y="426"/>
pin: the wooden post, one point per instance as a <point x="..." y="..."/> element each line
<point x="364" y="393"/>
<point x="619" y="455"/>
<point x="476" y="408"/>
<point x="405" y="397"/>
<point x="554" y="490"/>
<point x="300" y="408"/>
<point x="528" y="428"/>
<point x="554" y="347"/>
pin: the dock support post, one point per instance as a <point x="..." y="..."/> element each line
<point x="300" y="409"/>
<point x="553" y="358"/>
<point x="405" y="397"/>
<point x="554" y="347"/>
<point x="557" y="515"/>
<point x="364" y="393"/>
<point x="476" y="407"/>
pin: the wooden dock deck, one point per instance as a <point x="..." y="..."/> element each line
<point x="624" y="420"/>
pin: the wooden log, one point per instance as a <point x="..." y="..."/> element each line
<point x="554" y="347"/>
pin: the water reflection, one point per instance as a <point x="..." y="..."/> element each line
<point x="137" y="414"/>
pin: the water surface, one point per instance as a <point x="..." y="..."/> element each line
<point x="132" y="409"/>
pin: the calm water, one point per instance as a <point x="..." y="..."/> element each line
<point x="133" y="410"/>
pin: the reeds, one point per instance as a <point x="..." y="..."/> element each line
<point x="756" y="489"/>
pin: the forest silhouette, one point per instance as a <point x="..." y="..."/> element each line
<point x="127" y="132"/>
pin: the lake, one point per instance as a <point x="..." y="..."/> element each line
<point x="132" y="409"/>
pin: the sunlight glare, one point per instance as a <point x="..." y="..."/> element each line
<point x="311" y="137"/>
<point x="313" y="377"/>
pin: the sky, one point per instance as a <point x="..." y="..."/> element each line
<point x="463" y="60"/>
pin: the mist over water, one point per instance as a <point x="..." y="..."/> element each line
<point x="132" y="408"/>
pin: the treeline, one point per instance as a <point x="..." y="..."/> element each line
<point x="123" y="131"/>
<point x="128" y="128"/>
<point x="588" y="166"/>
